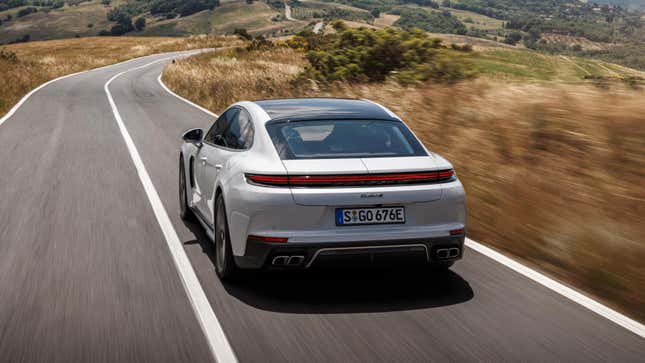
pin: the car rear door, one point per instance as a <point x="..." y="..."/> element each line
<point x="233" y="135"/>
<point x="209" y="162"/>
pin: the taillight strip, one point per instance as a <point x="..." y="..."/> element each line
<point x="351" y="180"/>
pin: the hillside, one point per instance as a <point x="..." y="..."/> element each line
<point x="66" y="19"/>
<point x="565" y="27"/>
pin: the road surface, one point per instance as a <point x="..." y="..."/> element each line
<point x="287" y="12"/>
<point x="86" y="273"/>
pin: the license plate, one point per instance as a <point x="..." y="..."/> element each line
<point x="377" y="215"/>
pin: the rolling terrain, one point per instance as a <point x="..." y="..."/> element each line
<point x="97" y="265"/>
<point x="97" y="278"/>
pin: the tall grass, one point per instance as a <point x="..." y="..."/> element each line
<point x="26" y="65"/>
<point x="554" y="173"/>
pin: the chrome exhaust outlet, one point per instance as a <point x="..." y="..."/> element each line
<point x="295" y="260"/>
<point x="447" y="253"/>
<point x="280" y="260"/>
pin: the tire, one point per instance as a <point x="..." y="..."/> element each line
<point x="184" y="210"/>
<point x="224" y="262"/>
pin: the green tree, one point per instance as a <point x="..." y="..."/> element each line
<point x="513" y="37"/>
<point x="140" y="24"/>
<point x="372" y="55"/>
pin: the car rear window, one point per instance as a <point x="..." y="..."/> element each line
<point x="322" y="139"/>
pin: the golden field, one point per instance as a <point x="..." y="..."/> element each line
<point x="24" y="66"/>
<point x="554" y="171"/>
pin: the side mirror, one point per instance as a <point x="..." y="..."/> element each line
<point x="193" y="136"/>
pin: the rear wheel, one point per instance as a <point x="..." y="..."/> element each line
<point x="224" y="262"/>
<point x="184" y="210"/>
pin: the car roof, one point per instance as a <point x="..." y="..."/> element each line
<point x="323" y="108"/>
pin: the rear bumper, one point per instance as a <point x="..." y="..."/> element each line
<point x="351" y="254"/>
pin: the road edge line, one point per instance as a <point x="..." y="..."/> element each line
<point x="24" y="99"/>
<point x="567" y="292"/>
<point x="163" y="85"/>
<point x="571" y="294"/>
<point x="220" y="348"/>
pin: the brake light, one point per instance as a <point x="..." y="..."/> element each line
<point x="352" y="180"/>
<point x="457" y="232"/>
<point x="268" y="239"/>
<point x="275" y="180"/>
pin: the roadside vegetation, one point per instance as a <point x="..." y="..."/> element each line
<point x="552" y="162"/>
<point x="361" y="55"/>
<point x="26" y="65"/>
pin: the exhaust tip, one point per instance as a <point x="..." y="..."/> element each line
<point x="295" y="260"/>
<point x="447" y="253"/>
<point x="280" y="260"/>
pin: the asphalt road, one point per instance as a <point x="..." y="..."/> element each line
<point x="86" y="274"/>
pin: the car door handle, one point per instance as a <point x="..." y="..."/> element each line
<point x="204" y="159"/>
<point x="218" y="166"/>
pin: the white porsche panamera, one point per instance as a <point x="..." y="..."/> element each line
<point x="304" y="183"/>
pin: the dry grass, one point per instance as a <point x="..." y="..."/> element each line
<point x="219" y="79"/>
<point x="38" y="62"/>
<point x="555" y="173"/>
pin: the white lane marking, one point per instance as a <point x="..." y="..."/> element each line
<point x="543" y="280"/>
<point x="217" y="341"/>
<point x="571" y="294"/>
<point x="163" y="85"/>
<point x="26" y="97"/>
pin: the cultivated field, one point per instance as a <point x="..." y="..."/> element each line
<point x="554" y="170"/>
<point x="26" y="65"/>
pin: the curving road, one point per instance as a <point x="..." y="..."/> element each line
<point x="287" y="12"/>
<point x="86" y="272"/>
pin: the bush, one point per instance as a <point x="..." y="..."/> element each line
<point x="121" y="29"/>
<point x="242" y="33"/>
<point x="435" y="22"/>
<point x="8" y="56"/>
<point x="140" y="24"/>
<point x="372" y="55"/>
<point x="26" y="11"/>
<point x="513" y="38"/>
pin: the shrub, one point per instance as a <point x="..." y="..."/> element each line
<point x="513" y="38"/>
<point x="372" y="55"/>
<point x="242" y="33"/>
<point x="26" y="11"/>
<point x="120" y="29"/>
<point x="8" y="56"/>
<point x="140" y="24"/>
<point x="435" y="22"/>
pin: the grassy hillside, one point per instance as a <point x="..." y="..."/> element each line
<point x="532" y="140"/>
<point x="91" y="17"/>
<point x="27" y="65"/>
<point x="65" y="22"/>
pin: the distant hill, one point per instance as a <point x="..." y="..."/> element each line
<point x="24" y="20"/>
<point x="567" y="27"/>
